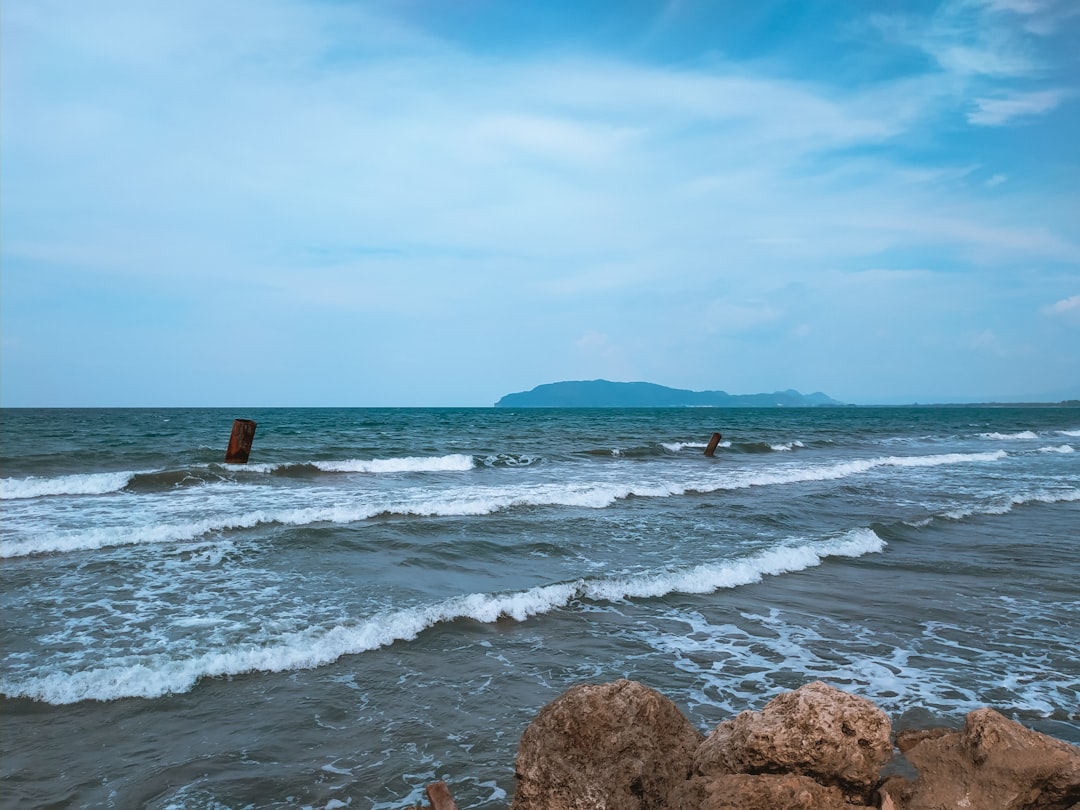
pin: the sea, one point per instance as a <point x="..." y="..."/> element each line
<point x="383" y="598"/>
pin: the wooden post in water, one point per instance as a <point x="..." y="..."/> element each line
<point x="713" y="442"/>
<point x="243" y="433"/>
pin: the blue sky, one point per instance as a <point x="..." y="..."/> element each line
<point x="438" y="202"/>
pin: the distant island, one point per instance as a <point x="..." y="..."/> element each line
<point x="605" y="394"/>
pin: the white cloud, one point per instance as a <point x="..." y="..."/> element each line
<point x="980" y="60"/>
<point x="996" y="180"/>
<point x="996" y="112"/>
<point x="1040" y="17"/>
<point x="549" y="137"/>
<point x="966" y="39"/>
<point x="1067" y="307"/>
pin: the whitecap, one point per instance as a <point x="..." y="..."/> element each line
<point x="456" y="462"/>
<point x="158" y="675"/>
<point x="77" y="484"/>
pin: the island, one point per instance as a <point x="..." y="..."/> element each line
<point x="606" y="394"/>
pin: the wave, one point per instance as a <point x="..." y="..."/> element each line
<point x="164" y="480"/>
<point x="77" y="484"/>
<point x="465" y="502"/>
<point x="457" y="462"/>
<point x="1023" y="434"/>
<point x="1069" y="432"/>
<point x="510" y="460"/>
<point x="652" y="450"/>
<point x="742" y="447"/>
<point x="845" y="469"/>
<point x="318" y="647"/>
<point x="115" y="536"/>
<point x="786" y="447"/>
<point x="156" y="480"/>
<point x="767" y="447"/>
<point x="676" y="447"/>
<point x="1061" y="448"/>
<point x="1006" y="505"/>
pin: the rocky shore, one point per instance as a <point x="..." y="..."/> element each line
<point x="624" y="746"/>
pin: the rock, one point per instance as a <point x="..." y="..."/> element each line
<point x="993" y="762"/>
<point x="833" y="737"/>
<point x="613" y="746"/>
<point x="762" y="792"/>
<point x="909" y="738"/>
<point x="439" y="795"/>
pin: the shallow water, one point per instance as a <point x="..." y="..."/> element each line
<point x="382" y="598"/>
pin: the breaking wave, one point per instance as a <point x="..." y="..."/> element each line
<point x="464" y="502"/>
<point x="78" y="484"/>
<point x="160" y="675"/>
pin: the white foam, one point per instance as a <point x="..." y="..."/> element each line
<point x="1023" y="434"/>
<point x="1004" y="506"/>
<point x="456" y="502"/>
<point x="786" y="447"/>
<point x="264" y="467"/>
<point x="78" y="484"/>
<point x="1073" y="433"/>
<point x="159" y="675"/>
<point x="675" y="447"/>
<point x="456" y="462"/>
<point x="114" y="536"/>
<point x="747" y="663"/>
<point x="845" y="469"/>
<point x="731" y="574"/>
<point x="1061" y="448"/>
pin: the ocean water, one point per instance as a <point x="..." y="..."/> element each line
<point x="383" y="598"/>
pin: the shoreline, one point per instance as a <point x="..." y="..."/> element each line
<point x="623" y="744"/>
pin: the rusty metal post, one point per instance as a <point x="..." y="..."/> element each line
<point x="713" y="442"/>
<point x="243" y="433"/>
<point x="438" y="794"/>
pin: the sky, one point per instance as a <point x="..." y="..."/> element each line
<point x="439" y="202"/>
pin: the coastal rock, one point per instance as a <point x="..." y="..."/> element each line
<point x="613" y="746"/>
<point x="835" y="738"/>
<point x="762" y="792"/>
<point x="910" y="737"/>
<point x="993" y="762"/>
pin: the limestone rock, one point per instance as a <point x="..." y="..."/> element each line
<point x="613" y="746"/>
<point x="762" y="792"/>
<point x="909" y="738"/>
<point x="836" y="738"/>
<point x="993" y="762"/>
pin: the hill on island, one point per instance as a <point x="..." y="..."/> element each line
<point x="605" y="394"/>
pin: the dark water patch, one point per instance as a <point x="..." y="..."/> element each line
<point x="163" y="480"/>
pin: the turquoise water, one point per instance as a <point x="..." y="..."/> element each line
<point x="380" y="598"/>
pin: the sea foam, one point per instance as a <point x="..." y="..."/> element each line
<point x="315" y="647"/>
<point x="456" y="462"/>
<point x="464" y="501"/>
<point x="78" y="484"/>
<point x="1002" y="506"/>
